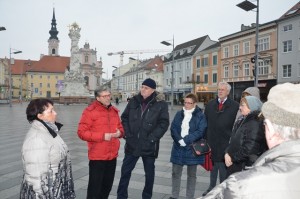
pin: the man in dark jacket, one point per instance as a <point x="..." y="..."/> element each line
<point x="145" y="120"/>
<point x="220" y="114"/>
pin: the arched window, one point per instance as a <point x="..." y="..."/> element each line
<point x="53" y="51"/>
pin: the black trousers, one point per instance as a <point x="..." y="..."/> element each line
<point x="101" y="178"/>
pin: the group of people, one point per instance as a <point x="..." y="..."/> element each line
<point x="255" y="147"/>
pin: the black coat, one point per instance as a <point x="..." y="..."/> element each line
<point x="219" y="126"/>
<point x="145" y="128"/>
<point x="247" y="142"/>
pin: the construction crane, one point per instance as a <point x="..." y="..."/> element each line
<point x="121" y="53"/>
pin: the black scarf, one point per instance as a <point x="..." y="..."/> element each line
<point x="51" y="131"/>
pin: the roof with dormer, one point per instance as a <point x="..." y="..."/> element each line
<point x="186" y="49"/>
<point x="295" y="10"/>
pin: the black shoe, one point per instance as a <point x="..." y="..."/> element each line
<point x="206" y="192"/>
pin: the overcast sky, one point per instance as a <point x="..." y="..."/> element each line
<point x="117" y="25"/>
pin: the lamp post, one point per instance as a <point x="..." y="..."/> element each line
<point x="10" y="63"/>
<point x="118" y="69"/>
<point x="247" y="6"/>
<point x="172" y="70"/>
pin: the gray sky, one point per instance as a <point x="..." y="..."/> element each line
<point x="116" y="25"/>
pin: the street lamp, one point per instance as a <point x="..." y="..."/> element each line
<point x="118" y="68"/>
<point x="10" y="63"/>
<point x="172" y="70"/>
<point x="247" y="6"/>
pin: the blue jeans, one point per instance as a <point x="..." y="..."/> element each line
<point x="128" y="165"/>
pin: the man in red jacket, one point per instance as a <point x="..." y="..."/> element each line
<point x="101" y="127"/>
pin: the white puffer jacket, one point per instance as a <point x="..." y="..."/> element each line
<point x="46" y="164"/>
<point x="275" y="175"/>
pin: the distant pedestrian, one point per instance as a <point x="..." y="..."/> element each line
<point x="276" y="173"/>
<point x="188" y="126"/>
<point x="117" y="100"/>
<point x="45" y="156"/>
<point x="145" y="120"/>
<point x="220" y="114"/>
<point x="101" y="127"/>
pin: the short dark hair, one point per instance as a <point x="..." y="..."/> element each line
<point x="35" y="107"/>
<point x="100" y="90"/>
<point x="192" y="96"/>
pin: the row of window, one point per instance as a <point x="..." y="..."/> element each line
<point x="263" y="44"/>
<point x="204" y="61"/>
<point x="41" y="85"/>
<point x="41" y="76"/>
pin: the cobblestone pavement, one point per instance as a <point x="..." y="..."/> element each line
<point x="14" y="126"/>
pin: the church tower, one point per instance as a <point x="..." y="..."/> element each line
<point x="53" y="42"/>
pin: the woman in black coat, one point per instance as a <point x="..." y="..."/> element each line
<point x="247" y="141"/>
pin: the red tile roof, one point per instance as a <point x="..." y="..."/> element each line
<point x="47" y="64"/>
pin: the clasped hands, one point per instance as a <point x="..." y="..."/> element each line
<point x="109" y="136"/>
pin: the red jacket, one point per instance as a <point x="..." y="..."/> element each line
<point x="96" y="120"/>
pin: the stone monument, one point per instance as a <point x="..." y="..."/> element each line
<point x="74" y="90"/>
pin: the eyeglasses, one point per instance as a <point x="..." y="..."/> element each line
<point x="105" y="96"/>
<point x="188" y="102"/>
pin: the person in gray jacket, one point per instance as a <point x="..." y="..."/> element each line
<point x="45" y="156"/>
<point x="276" y="174"/>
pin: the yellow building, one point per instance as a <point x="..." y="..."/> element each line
<point x="36" y="79"/>
<point x="206" y="70"/>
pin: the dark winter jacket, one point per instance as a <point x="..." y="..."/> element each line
<point x="184" y="155"/>
<point x="145" y="124"/>
<point x="219" y="126"/>
<point x="247" y="142"/>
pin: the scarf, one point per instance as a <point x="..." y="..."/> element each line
<point x="185" y="122"/>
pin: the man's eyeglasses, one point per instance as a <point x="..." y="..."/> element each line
<point x="105" y="96"/>
<point x="188" y="102"/>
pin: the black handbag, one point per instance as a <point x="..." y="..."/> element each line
<point x="200" y="147"/>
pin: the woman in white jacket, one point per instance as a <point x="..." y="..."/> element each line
<point x="46" y="159"/>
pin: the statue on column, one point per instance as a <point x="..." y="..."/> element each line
<point x="74" y="34"/>
<point x="73" y="72"/>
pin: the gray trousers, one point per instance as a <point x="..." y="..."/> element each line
<point x="190" y="183"/>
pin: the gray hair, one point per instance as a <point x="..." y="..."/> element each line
<point x="100" y="90"/>
<point x="225" y="84"/>
<point x="286" y="132"/>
